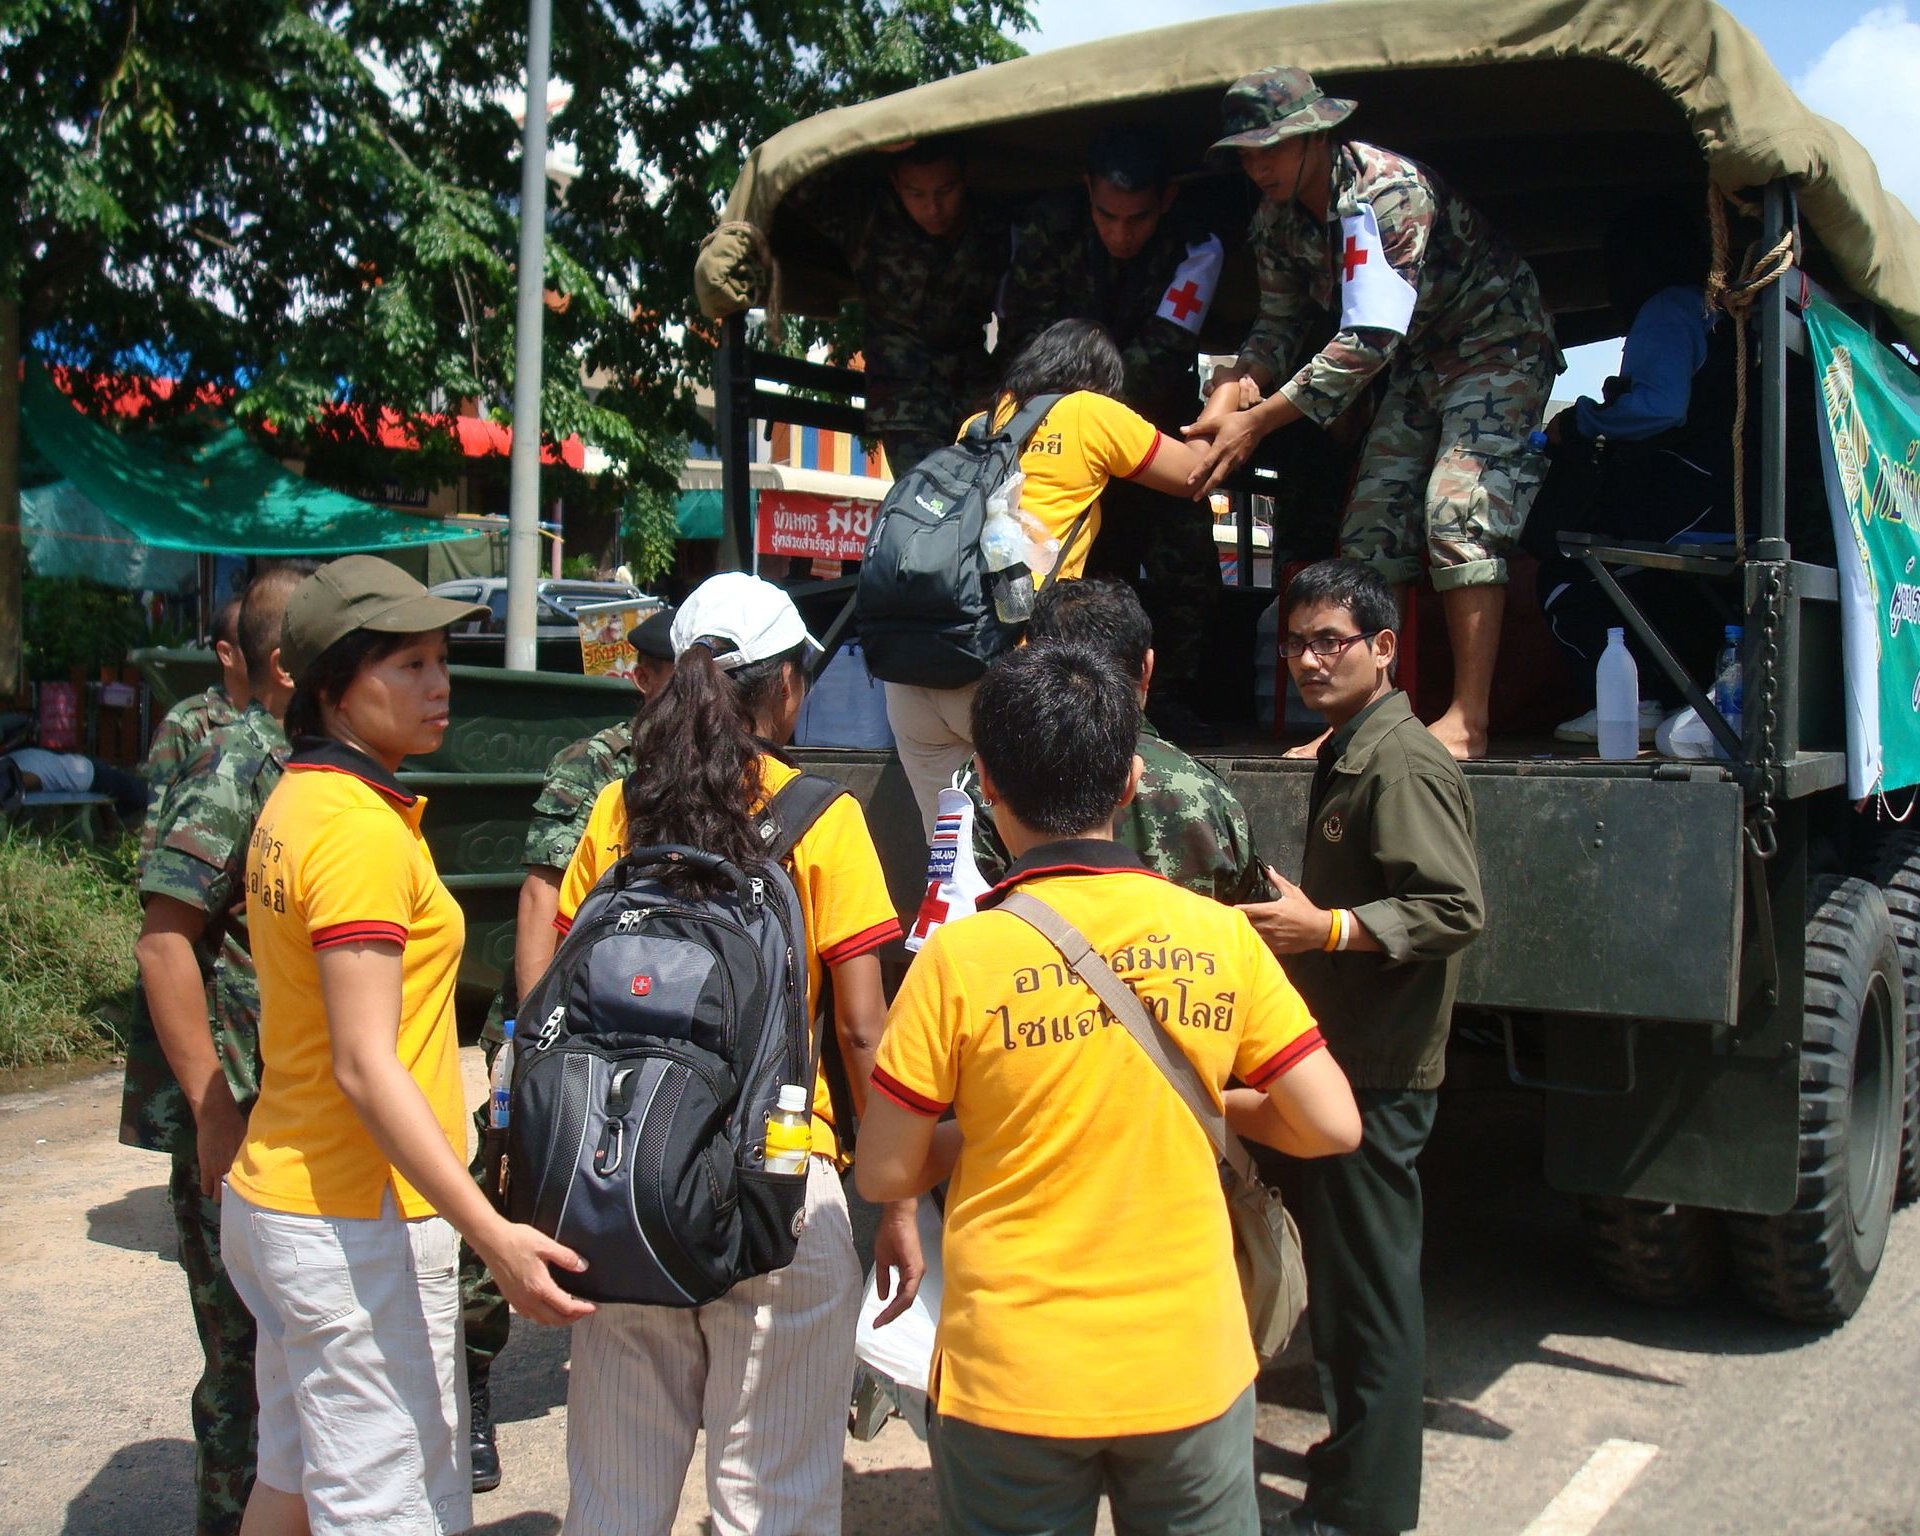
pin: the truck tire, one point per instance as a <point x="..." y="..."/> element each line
<point x="1813" y="1263"/>
<point x="1661" y="1255"/>
<point x="1893" y="864"/>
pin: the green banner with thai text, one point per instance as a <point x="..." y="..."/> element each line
<point x="1869" y="399"/>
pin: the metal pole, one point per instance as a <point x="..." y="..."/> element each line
<point x="523" y="494"/>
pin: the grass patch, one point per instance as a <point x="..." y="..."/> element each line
<point x="68" y="920"/>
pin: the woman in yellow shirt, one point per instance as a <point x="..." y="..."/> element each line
<point x="1086" y="440"/>
<point x="766" y="1368"/>
<point x="343" y="1210"/>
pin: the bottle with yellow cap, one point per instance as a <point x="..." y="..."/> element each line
<point x="789" y="1132"/>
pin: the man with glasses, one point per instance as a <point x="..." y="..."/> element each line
<point x="1389" y="896"/>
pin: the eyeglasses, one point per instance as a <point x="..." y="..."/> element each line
<point x="1323" y="646"/>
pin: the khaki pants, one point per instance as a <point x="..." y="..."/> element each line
<point x="933" y="734"/>
<point x="767" y="1370"/>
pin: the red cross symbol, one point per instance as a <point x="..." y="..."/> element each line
<point x="933" y="912"/>
<point x="1184" y="300"/>
<point x="1355" y="257"/>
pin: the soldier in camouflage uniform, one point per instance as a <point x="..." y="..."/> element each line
<point x="574" y="780"/>
<point x="193" y="1073"/>
<point x="191" y="721"/>
<point x="1129" y="253"/>
<point x="926" y="255"/>
<point x="1433" y="300"/>
<point x="1183" y="821"/>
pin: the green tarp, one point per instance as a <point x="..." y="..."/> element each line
<point x="700" y="516"/>
<point x="223" y="496"/>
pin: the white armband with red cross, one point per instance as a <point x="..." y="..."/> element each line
<point x="954" y="882"/>
<point x="1372" y="295"/>
<point x="1190" y="295"/>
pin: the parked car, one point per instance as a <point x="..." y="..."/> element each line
<point x="559" y="603"/>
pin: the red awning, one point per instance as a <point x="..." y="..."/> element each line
<point x="479" y="437"/>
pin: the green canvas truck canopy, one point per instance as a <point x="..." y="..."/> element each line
<point x="1548" y="115"/>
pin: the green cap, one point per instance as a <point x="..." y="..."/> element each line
<point x="360" y="592"/>
<point x="1275" y="104"/>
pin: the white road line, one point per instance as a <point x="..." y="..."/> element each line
<point x="1594" y="1489"/>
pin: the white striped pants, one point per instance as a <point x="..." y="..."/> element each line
<point x="767" y="1370"/>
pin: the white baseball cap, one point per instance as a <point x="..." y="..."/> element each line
<point x="755" y="615"/>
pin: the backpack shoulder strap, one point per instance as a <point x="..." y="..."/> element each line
<point x="1026" y="421"/>
<point x="793" y="810"/>
<point x="795" y="807"/>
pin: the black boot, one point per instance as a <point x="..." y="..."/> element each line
<point x="484" y="1453"/>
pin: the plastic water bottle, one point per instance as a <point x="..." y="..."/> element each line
<point x="1729" y="686"/>
<point x="1003" y="550"/>
<point x="789" y="1131"/>
<point x="500" y="1095"/>
<point x="1617" y="686"/>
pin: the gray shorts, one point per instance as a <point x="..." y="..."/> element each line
<point x="363" y="1400"/>
<point x="1182" y="1482"/>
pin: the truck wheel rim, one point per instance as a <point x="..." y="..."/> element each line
<point x="1871" y="1103"/>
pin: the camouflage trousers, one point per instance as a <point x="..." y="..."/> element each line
<point x="1447" y="470"/>
<point x="224" y="1407"/>
<point x="484" y="1315"/>
<point x="1168" y="542"/>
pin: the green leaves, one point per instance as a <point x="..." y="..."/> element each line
<point x="302" y="196"/>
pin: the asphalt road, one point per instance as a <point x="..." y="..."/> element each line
<point x="1553" y="1410"/>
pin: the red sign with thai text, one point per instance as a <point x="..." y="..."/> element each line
<point x="813" y="527"/>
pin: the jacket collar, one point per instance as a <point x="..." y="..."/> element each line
<point x="1069" y="856"/>
<point x="1355" y="742"/>
<point x="325" y="755"/>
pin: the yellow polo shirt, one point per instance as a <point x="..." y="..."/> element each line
<point x="337" y="858"/>
<point x="835" y="869"/>
<point x="1082" y="443"/>
<point x="1090" y="1280"/>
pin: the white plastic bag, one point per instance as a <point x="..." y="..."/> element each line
<point x="1684" y="735"/>
<point x="896" y="1360"/>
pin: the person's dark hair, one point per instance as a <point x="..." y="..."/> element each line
<point x="1055" y="725"/>
<point x="1105" y="615"/>
<point x="1130" y="157"/>
<point x="1349" y="584"/>
<point x="702" y="761"/>
<point x="262" y="607"/>
<point x="333" y="672"/>
<point x="226" y="621"/>
<point x="1066" y="356"/>
<point x="931" y="151"/>
<point x="1651" y="244"/>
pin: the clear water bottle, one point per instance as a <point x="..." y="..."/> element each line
<point x="1617" y="690"/>
<point x="1003" y="550"/>
<point x="789" y="1131"/>
<point x="1729" y="686"/>
<point x="1012" y="594"/>
<point x="500" y="1093"/>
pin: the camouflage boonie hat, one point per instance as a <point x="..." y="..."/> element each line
<point x="1276" y="104"/>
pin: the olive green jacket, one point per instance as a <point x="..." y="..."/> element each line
<point x="1390" y="837"/>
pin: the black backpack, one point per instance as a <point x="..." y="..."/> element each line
<point x="649" y="1056"/>
<point x="926" y="616"/>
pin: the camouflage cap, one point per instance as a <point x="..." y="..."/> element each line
<point x="359" y="592"/>
<point x="1275" y="104"/>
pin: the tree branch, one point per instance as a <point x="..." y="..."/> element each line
<point x="119" y="70"/>
<point x="227" y="245"/>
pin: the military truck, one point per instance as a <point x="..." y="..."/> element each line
<point x="1710" y="971"/>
